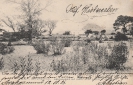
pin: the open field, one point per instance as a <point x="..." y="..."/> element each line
<point x="77" y="57"/>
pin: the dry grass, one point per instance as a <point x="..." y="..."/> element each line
<point x="83" y="57"/>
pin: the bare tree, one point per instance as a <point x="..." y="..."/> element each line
<point x="51" y="25"/>
<point x="38" y="26"/>
<point x="9" y="23"/>
<point x="30" y="14"/>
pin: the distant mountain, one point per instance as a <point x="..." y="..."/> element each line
<point x="93" y="27"/>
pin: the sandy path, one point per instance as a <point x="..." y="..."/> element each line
<point x="23" y="50"/>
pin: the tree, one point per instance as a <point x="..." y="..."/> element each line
<point x="96" y="32"/>
<point x="131" y="31"/>
<point x="51" y="25"/>
<point x="31" y="11"/>
<point x="38" y="27"/>
<point x="122" y="21"/>
<point x="118" y="56"/>
<point x="120" y="37"/>
<point x="30" y="15"/>
<point x="87" y="32"/>
<point x="66" y="33"/>
<point x="9" y="22"/>
<point x="103" y="32"/>
<point x="103" y="37"/>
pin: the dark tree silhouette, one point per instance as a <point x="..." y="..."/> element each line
<point x="131" y="31"/>
<point x="103" y="31"/>
<point x="96" y="32"/>
<point x="66" y="33"/>
<point x="122" y="21"/>
<point x="87" y="32"/>
<point x="120" y="37"/>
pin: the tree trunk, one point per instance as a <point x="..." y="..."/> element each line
<point x="10" y="40"/>
<point x="50" y="33"/>
<point x="124" y="29"/>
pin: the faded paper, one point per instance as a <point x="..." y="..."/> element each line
<point x="66" y="42"/>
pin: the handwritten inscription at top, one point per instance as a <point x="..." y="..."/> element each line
<point x="89" y="9"/>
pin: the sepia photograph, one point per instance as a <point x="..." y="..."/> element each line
<point x="66" y="42"/>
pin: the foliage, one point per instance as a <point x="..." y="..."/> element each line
<point x="78" y="43"/>
<point x="90" y="58"/>
<point x="96" y="32"/>
<point x="122" y="21"/>
<point x="118" y="56"/>
<point x="66" y="33"/>
<point x="67" y="41"/>
<point x="24" y="66"/>
<point x="4" y="49"/>
<point x="87" y="32"/>
<point x="59" y="65"/>
<point x="1" y="63"/>
<point x="103" y="31"/>
<point x="51" y="24"/>
<point x="131" y="31"/>
<point x="119" y="37"/>
<point x="41" y="46"/>
<point x="57" y="47"/>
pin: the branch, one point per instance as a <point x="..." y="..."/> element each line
<point x="5" y="22"/>
<point x="10" y="24"/>
<point x="13" y="1"/>
<point x="48" y="4"/>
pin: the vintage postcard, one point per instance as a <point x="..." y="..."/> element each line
<point x="66" y="42"/>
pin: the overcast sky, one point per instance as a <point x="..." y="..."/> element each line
<point x="68" y="22"/>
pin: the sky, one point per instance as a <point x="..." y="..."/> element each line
<point x="66" y="21"/>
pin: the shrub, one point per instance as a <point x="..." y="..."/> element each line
<point x="1" y="63"/>
<point x="119" y="37"/>
<point x="57" y="47"/>
<point x="4" y="49"/>
<point x="67" y="42"/>
<point x="87" y="41"/>
<point x="118" y="56"/>
<point x="41" y="46"/>
<point x="90" y="58"/>
<point x="24" y="66"/>
<point x="95" y="55"/>
<point x="58" y="66"/>
<point x="78" y="43"/>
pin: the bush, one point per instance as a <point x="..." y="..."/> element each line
<point x="24" y="66"/>
<point x="67" y="42"/>
<point x="4" y="49"/>
<point x="57" y="47"/>
<point x="1" y="63"/>
<point x="41" y="46"/>
<point x="120" y="37"/>
<point x="89" y="58"/>
<point x="87" y="40"/>
<point x="79" y="43"/>
<point x="118" y="56"/>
